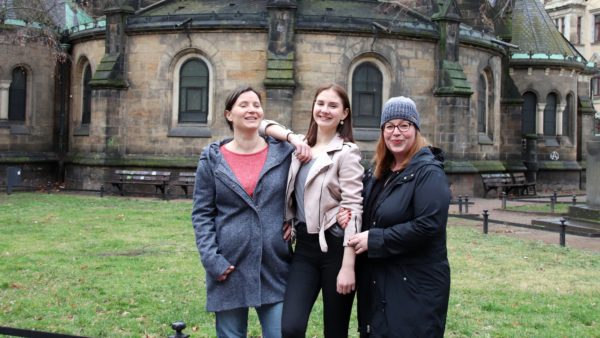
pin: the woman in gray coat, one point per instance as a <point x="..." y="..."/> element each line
<point x="238" y="216"/>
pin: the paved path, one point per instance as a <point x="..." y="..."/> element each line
<point x="494" y="207"/>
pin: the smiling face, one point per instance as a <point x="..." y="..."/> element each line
<point x="329" y="110"/>
<point x="399" y="142"/>
<point x="246" y="113"/>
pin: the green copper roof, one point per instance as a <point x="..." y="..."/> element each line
<point x="534" y="32"/>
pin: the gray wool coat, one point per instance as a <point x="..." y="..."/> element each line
<point x="233" y="228"/>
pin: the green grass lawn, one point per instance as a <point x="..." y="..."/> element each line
<point x="126" y="267"/>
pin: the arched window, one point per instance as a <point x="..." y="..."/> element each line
<point x="86" y="105"/>
<point x="367" y="83"/>
<point x="17" y="95"/>
<point x="567" y="129"/>
<point x="482" y="104"/>
<point x="550" y="115"/>
<point x="193" y="92"/>
<point x="528" y="113"/>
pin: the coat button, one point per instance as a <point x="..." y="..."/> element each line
<point x="374" y="282"/>
<point x="404" y="279"/>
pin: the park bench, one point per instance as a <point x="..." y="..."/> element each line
<point x="525" y="187"/>
<point x="185" y="180"/>
<point x="158" y="179"/>
<point x="500" y="182"/>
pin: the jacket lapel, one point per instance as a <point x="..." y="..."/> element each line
<point x="324" y="160"/>
<point x="274" y="157"/>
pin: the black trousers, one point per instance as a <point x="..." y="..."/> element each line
<point x="312" y="271"/>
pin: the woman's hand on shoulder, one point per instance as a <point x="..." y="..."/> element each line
<point x="302" y="153"/>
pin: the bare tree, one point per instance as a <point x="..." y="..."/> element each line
<point x="32" y="21"/>
<point x="96" y="7"/>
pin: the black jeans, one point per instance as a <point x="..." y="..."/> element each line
<point x="313" y="271"/>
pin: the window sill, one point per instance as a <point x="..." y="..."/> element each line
<point x="190" y="131"/>
<point x="83" y="130"/>
<point x="485" y="139"/>
<point x="550" y="141"/>
<point x="19" y="129"/>
<point x="366" y="134"/>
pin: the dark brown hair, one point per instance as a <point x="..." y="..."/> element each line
<point x="383" y="160"/>
<point x="232" y="98"/>
<point x="345" y="130"/>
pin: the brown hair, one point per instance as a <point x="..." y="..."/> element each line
<point x="233" y="96"/>
<point x="345" y="130"/>
<point x="384" y="159"/>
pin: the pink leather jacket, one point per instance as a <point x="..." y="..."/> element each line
<point x="333" y="181"/>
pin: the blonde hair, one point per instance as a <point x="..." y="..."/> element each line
<point x="384" y="159"/>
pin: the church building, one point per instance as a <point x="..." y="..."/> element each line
<point x="498" y="87"/>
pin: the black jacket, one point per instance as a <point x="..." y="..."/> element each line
<point x="407" y="277"/>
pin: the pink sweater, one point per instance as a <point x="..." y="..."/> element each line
<point x="246" y="167"/>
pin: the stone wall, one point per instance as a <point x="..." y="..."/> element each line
<point x="142" y="115"/>
<point x="36" y="133"/>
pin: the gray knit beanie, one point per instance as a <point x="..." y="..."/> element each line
<point x="400" y="107"/>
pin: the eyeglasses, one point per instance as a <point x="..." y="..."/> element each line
<point x="402" y="127"/>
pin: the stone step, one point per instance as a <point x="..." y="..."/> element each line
<point x="584" y="223"/>
<point x="585" y="213"/>
<point x="573" y="227"/>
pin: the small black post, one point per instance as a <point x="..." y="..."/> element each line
<point x="563" y="229"/>
<point x="552" y="202"/>
<point x="460" y="204"/>
<point x="466" y="204"/>
<point x="102" y="190"/>
<point x="48" y="187"/>
<point x="504" y="200"/>
<point x="574" y="199"/>
<point x="485" y="221"/>
<point x="178" y="327"/>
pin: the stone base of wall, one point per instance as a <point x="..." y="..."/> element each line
<point x="547" y="181"/>
<point x="36" y="176"/>
<point x="92" y="178"/>
<point x="465" y="185"/>
<point x="559" y="181"/>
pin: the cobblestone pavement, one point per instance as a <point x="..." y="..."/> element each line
<point x="494" y="207"/>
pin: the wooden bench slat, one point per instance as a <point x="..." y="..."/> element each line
<point x="159" y="179"/>
<point x="184" y="180"/>
<point x="506" y="182"/>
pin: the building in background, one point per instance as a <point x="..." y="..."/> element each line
<point x="579" y="22"/>
<point x="144" y="88"/>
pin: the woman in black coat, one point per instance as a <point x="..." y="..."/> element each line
<point x="403" y="274"/>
